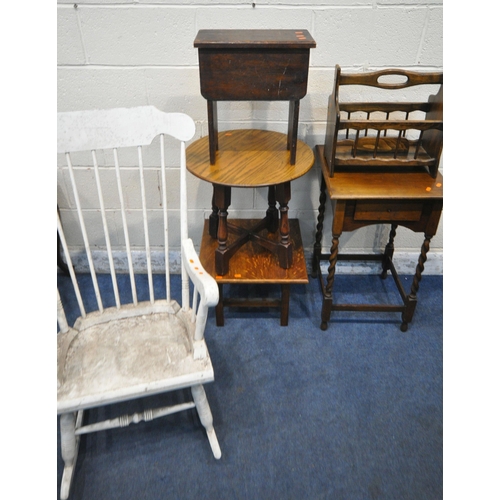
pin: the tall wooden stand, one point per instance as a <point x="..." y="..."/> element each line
<point x="252" y="65"/>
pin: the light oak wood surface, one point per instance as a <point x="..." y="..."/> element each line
<point x="253" y="263"/>
<point x="416" y="184"/>
<point x="248" y="158"/>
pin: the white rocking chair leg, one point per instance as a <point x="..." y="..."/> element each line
<point x="69" y="451"/>
<point x="205" y="414"/>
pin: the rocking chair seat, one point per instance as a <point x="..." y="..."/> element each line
<point x="147" y="349"/>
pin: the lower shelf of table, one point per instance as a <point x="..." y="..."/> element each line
<point x="253" y="265"/>
<point x="407" y="307"/>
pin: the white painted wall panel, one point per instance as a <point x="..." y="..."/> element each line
<point x="138" y="35"/>
<point x="84" y="87"/>
<point x="432" y="44"/>
<point x="246" y="17"/>
<point x="69" y="43"/>
<point x="368" y="36"/>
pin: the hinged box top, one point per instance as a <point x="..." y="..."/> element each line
<point x="261" y="39"/>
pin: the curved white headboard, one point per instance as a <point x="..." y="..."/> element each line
<point x="101" y="129"/>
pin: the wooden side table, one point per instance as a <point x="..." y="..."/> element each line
<point x="254" y="265"/>
<point x="250" y="158"/>
<point x="410" y="199"/>
<point x="253" y="65"/>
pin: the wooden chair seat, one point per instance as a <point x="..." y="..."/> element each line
<point x="105" y="359"/>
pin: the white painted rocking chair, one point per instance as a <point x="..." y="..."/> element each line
<point x="133" y="350"/>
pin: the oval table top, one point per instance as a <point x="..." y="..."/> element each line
<point x="248" y="158"/>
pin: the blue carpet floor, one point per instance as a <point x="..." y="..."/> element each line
<point x="354" y="412"/>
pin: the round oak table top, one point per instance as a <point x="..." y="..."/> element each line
<point x="248" y="158"/>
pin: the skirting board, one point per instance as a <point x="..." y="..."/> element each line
<point x="405" y="263"/>
<point x="100" y="258"/>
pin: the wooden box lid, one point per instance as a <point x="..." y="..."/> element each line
<point x="258" y="39"/>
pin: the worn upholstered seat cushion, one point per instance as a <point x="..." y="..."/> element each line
<point x="147" y="348"/>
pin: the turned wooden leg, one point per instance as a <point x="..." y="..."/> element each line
<point x="222" y="199"/>
<point x="285" y="256"/>
<point x="285" y="304"/>
<point x="328" y="293"/>
<point x="319" y="230"/>
<point x="213" y="220"/>
<point x="293" y="127"/>
<point x="213" y="130"/>
<point x="203" y="408"/>
<point x="272" y="213"/>
<point x="68" y="450"/>
<point x="411" y="300"/>
<point x="389" y="251"/>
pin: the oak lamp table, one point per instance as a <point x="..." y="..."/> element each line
<point x="250" y="158"/>
<point x="412" y="199"/>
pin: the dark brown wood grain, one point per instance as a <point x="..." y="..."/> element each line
<point x="250" y="75"/>
<point x="373" y="78"/>
<point x="253" y="65"/>
<point x="254" y="265"/>
<point x="345" y="127"/>
<point x="251" y="38"/>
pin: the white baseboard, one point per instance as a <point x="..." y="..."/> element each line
<point x="405" y="263"/>
<point x="100" y="257"/>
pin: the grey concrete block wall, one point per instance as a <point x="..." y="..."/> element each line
<point x="130" y="53"/>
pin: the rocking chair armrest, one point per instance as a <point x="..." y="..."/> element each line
<point x="205" y="284"/>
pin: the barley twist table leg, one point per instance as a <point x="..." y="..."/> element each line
<point x="389" y="251"/>
<point x="411" y="303"/>
<point x="328" y="294"/>
<point x="319" y="230"/>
